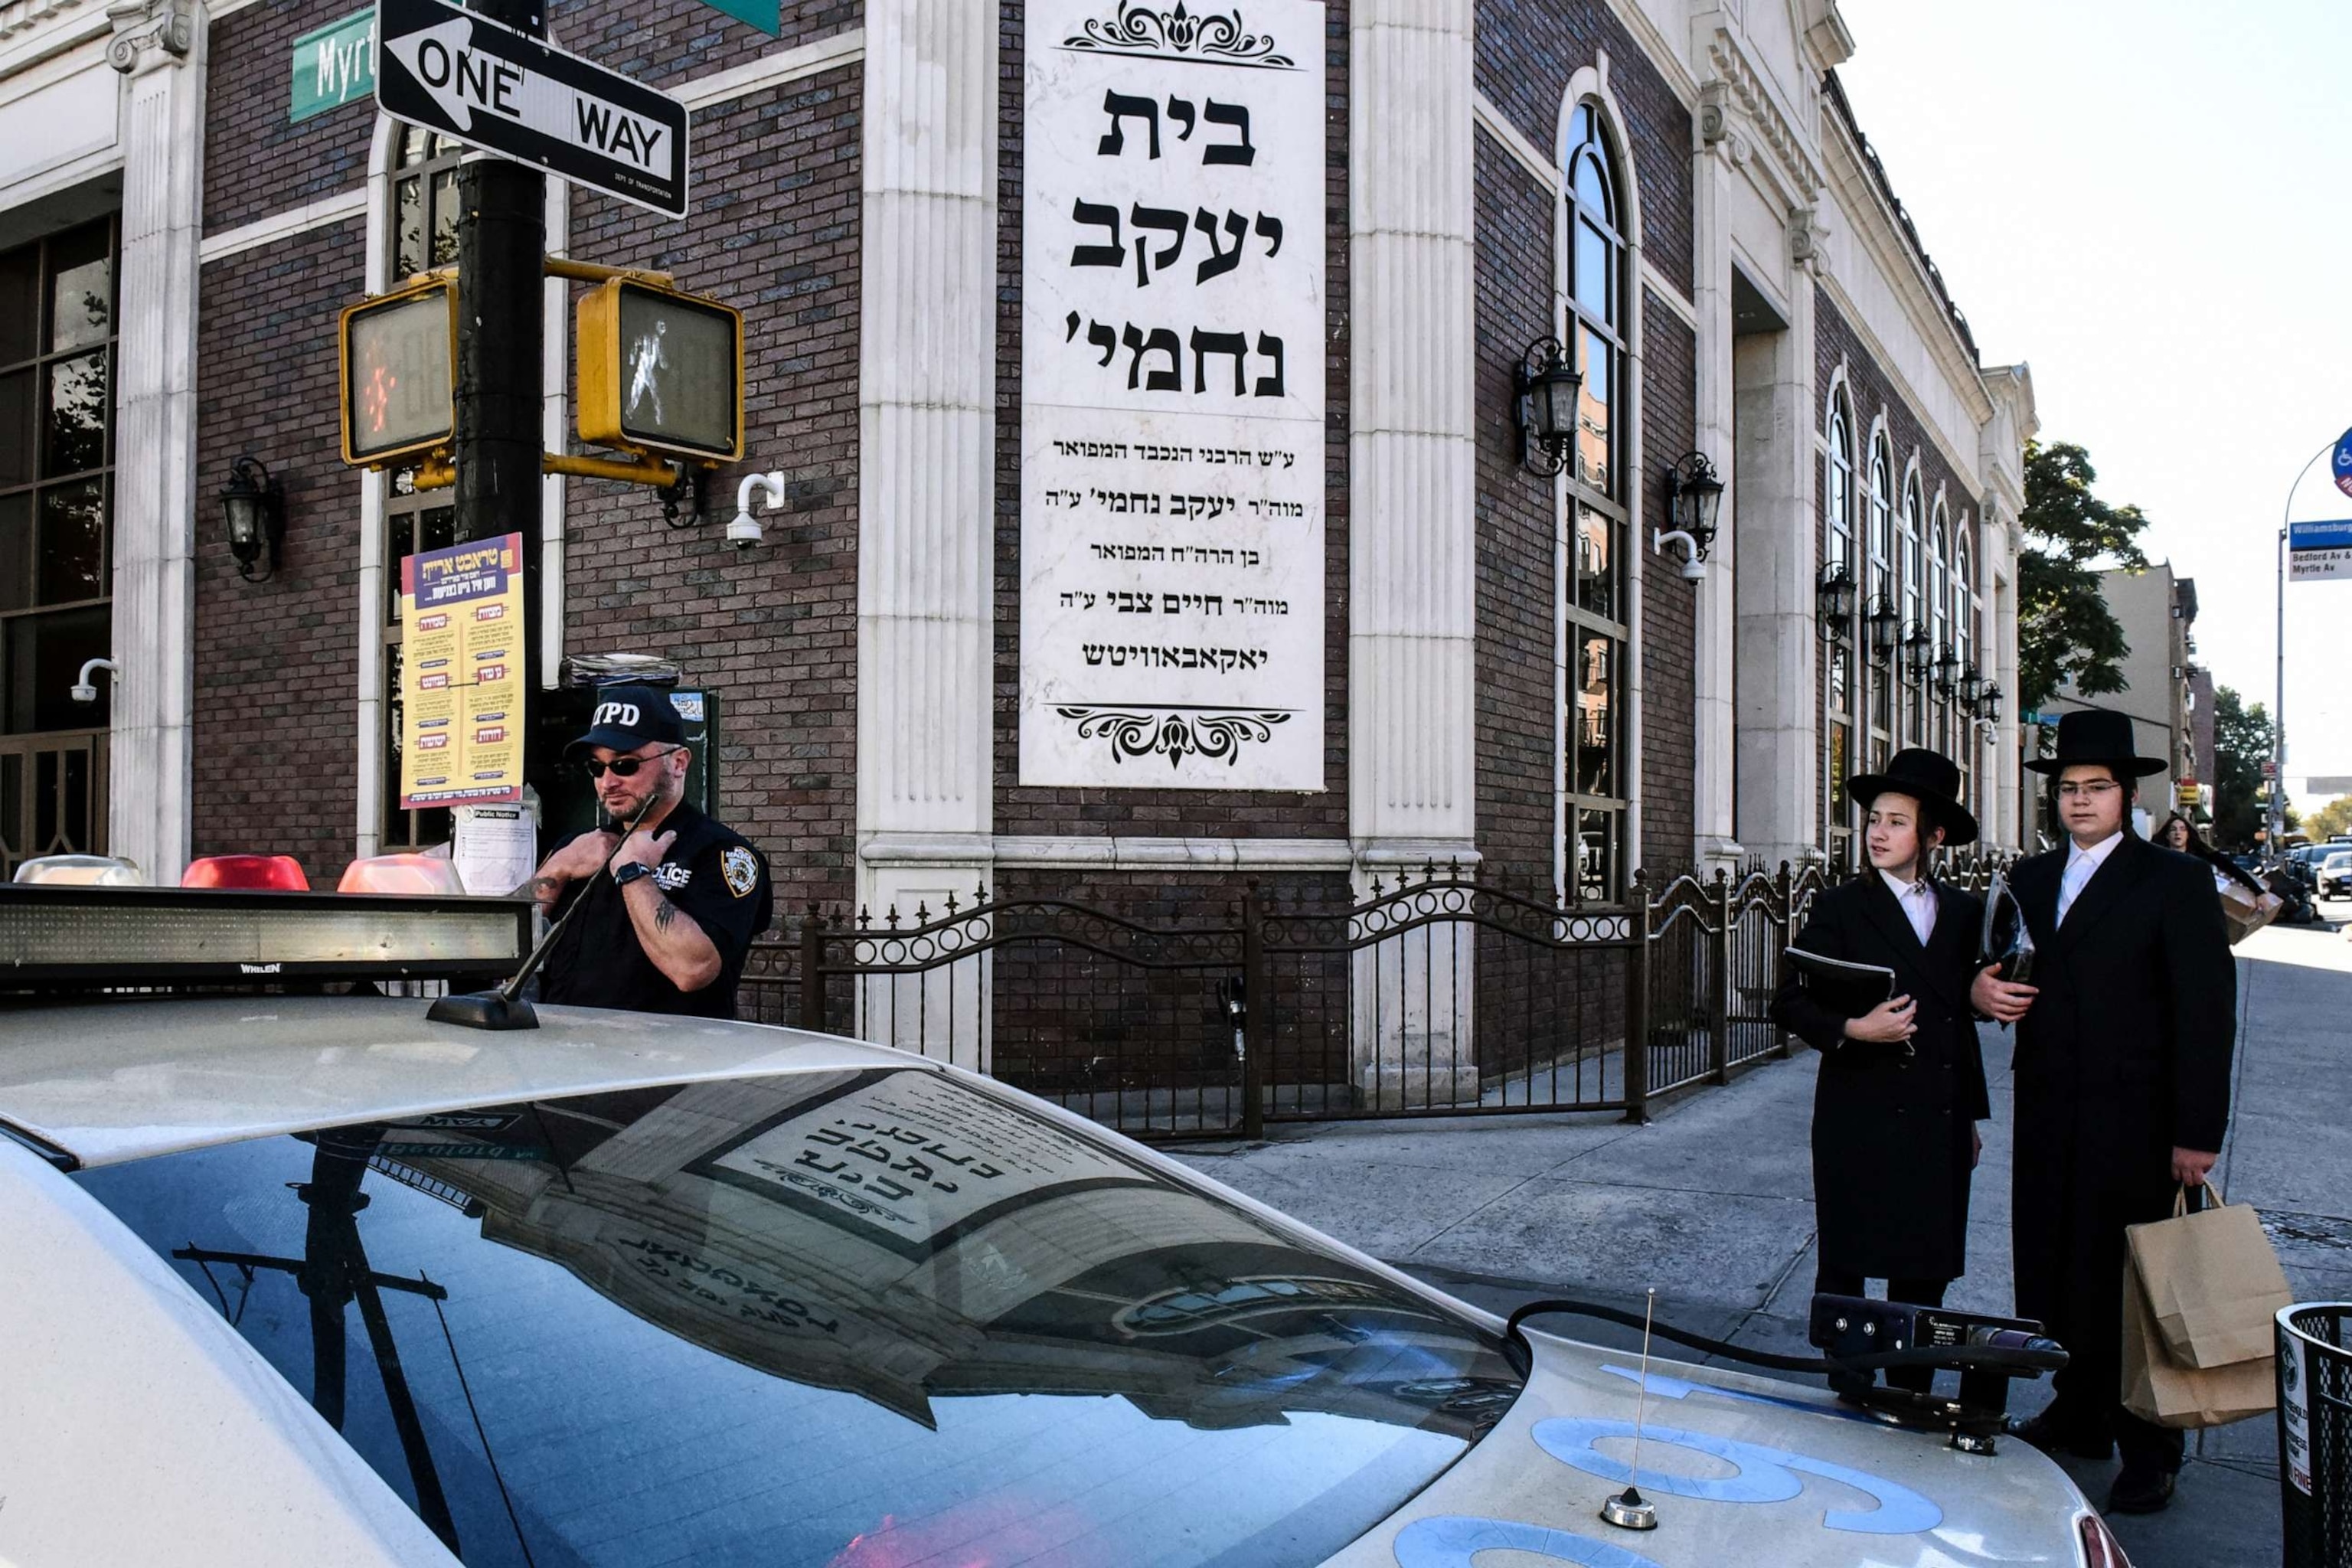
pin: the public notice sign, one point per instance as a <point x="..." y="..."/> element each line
<point x="1172" y="396"/>
<point x="462" y="669"/>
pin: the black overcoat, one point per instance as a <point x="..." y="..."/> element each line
<point x="2123" y="1056"/>
<point x="1892" y="1129"/>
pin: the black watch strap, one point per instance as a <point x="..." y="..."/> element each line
<point x="634" y="871"/>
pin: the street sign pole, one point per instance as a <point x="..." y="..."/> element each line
<point x="502" y="335"/>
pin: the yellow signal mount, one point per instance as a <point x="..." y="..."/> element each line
<point x="660" y="371"/>
<point x="398" y="355"/>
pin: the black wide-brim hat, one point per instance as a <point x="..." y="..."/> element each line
<point x="2092" y="737"/>
<point x="1928" y="777"/>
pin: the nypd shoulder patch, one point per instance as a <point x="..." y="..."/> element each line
<point x="742" y="869"/>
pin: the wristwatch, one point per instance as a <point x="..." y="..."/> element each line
<point x="633" y="871"/>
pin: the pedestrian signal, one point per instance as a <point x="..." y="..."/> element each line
<point x="660" y="371"/>
<point x="399" y="397"/>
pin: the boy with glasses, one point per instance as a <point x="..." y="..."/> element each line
<point x="2123" y="1081"/>
<point x="666" y="915"/>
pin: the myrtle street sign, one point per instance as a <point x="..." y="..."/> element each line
<point x="492" y="88"/>
<point x="2319" y="552"/>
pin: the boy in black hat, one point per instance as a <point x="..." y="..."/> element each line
<point x="666" y="927"/>
<point x="2123" y="1081"/>
<point x="1902" y="1086"/>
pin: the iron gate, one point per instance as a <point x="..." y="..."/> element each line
<point x="1443" y="996"/>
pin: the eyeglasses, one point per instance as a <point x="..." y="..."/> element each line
<point x="2069" y="791"/>
<point x="626" y="767"/>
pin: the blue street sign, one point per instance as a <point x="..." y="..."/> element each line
<point x="2344" y="462"/>
<point x="2335" y="535"/>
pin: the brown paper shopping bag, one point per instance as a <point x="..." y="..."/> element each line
<point x="2213" y="1283"/>
<point x="2155" y="1389"/>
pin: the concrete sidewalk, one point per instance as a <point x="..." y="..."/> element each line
<point x="1711" y="1205"/>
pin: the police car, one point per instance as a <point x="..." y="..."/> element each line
<point x="298" y="1274"/>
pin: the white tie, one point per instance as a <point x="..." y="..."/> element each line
<point x="2070" y="888"/>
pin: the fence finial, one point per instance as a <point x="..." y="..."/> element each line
<point x="923" y="913"/>
<point x="951" y="903"/>
<point x="891" y="919"/>
<point x="979" y="891"/>
<point x="865" y="917"/>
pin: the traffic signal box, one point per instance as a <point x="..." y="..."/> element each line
<point x="660" y="371"/>
<point x="398" y="351"/>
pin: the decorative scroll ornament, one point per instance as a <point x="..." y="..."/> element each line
<point x="1180" y="32"/>
<point x="166" y="26"/>
<point x="1210" y="734"/>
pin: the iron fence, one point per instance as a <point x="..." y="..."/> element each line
<point x="1442" y="994"/>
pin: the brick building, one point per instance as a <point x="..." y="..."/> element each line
<point x="1512" y="668"/>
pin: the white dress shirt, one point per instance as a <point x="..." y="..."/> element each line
<point x="2081" y="866"/>
<point x="1919" y="900"/>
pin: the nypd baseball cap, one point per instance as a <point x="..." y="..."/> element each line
<point x="627" y="717"/>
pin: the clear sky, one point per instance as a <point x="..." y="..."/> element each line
<point x="2150" y="203"/>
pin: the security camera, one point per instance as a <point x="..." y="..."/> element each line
<point x="85" y="689"/>
<point x="745" y="531"/>
<point x="1693" y="552"/>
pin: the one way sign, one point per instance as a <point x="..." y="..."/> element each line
<point x="439" y="64"/>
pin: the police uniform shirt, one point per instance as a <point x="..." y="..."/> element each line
<point x="713" y="875"/>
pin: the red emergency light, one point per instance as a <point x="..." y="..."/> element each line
<point x="280" y="873"/>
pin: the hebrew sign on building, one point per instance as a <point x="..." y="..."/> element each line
<point x="1171" y="395"/>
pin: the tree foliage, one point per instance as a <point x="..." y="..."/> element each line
<point x="2242" y="744"/>
<point x="2331" y="819"/>
<point x="2065" y="629"/>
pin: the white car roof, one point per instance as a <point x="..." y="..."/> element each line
<point x="111" y="1080"/>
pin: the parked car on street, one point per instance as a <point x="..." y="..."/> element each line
<point x="320" y="1279"/>
<point x="2334" y="876"/>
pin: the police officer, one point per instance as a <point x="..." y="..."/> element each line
<point x="666" y="927"/>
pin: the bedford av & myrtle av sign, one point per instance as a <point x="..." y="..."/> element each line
<point x="1171" y="395"/>
<point x="492" y="88"/>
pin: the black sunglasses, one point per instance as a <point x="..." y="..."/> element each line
<point x="626" y="767"/>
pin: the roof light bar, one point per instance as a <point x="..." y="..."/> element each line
<point x="118" y="937"/>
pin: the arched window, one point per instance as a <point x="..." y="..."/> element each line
<point x="1838" y="659"/>
<point x="1939" y="579"/>
<point x="422" y="235"/>
<point x="1964" y="634"/>
<point x="1912" y="569"/>
<point x="1593" y="611"/>
<point x="1880" y="591"/>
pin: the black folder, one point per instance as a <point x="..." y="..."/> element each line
<point x="1848" y="990"/>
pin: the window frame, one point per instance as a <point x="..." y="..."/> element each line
<point x="1584" y="497"/>
<point x="1881" y="717"/>
<point x="40" y="366"/>
<point x="1841" y="693"/>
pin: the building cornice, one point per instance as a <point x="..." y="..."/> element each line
<point x="1874" y="224"/>
<point x="1970" y="466"/>
<point x="1734" y="84"/>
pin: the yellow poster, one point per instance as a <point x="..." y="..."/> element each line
<point x="462" y="670"/>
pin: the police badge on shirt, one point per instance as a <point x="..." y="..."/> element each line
<point x="740" y="868"/>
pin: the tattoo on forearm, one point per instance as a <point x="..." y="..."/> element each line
<point x="664" y="915"/>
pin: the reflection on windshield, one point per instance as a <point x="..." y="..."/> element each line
<point x="851" y="1320"/>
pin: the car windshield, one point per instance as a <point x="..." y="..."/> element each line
<point x="855" y="1320"/>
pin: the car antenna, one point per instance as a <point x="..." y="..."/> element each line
<point x="1629" y="1510"/>
<point x="504" y="1008"/>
